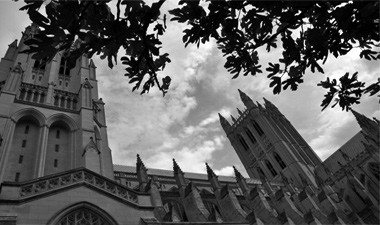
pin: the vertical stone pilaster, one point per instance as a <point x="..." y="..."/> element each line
<point x="44" y="133"/>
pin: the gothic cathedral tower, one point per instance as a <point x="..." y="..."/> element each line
<point x="269" y="146"/>
<point x="51" y="119"/>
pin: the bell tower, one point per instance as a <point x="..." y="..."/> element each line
<point x="268" y="144"/>
<point x="51" y="118"/>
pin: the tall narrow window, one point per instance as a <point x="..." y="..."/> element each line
<point x="28" y="95"/>
<point x="22" y="94"/>
<point x="57" y="134"/>
<point x="23" y="143"/>
<point x="56" y="100"/>
<point x="20" y="159"/>
<point x="26" y="129"/>
<point x="75" y="104"/>
<point x="68" y="105"/>
<point x="62" y="101"/>
<point x="270" y="168"/>
<point x="242" y="141"/>
<point x="40" y="64"/>
<point x="257" y="128"/>
<point x="35" y="97"/>
<point x="250" y="135"/>
<point x="42" y="98"/>
<point x="55" y="162"/>
<point x="17" y="177"/>
<point x="39" y="78"/>
<point x="63" y="68"/>
<point x="279" y="160"/>
<point x="56" y="148"/>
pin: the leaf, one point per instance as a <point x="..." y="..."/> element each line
<point x="276" y="82"/>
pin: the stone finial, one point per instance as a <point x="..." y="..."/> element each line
<point x="176" y="168"/>
<point x="233" y="119"/>
<point x="225" y="124"/>
<point x="368" y="125"/>
<point x="13" y="44"/>
<point x="210" y="172"/>
<point x="139" y="164"/>
<point x="259" y="106"/>
<point x="246" y="100"/>
<point x="238" y="174"/>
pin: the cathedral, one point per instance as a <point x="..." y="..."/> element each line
<point x="56" y="166"/>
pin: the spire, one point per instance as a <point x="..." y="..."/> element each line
<point x="241" y="181"/>
<point x="240" y="113"/>
<point x="11" y="50"/>
<point x="225" y="124"/>
<point x="246" y="100"/>
<point x="176" y="168"/>
<point x="367" y="125"/>
<point x="210" y="172"/>
<point x="213" y="179"/>
<point x="233" y="119"/>
<point x="238" y="174"/>
<point x="260" y="106"/>
<point x="142" y="175"/>
<point x="139" y="164"/>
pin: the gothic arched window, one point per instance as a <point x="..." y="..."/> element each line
<point x="279" y="160"/>
<point x="243" y="143"/>
<point x="83" y="216"/>
<point x="63" y="67"/>
<point x="257" y="128"/>
<point x="270" y="168"/>
<point x="250" y="135"/>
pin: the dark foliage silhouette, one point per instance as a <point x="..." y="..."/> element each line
<point x="306" y="32"/>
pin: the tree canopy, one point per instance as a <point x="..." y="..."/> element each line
<point x="306" y="32"/>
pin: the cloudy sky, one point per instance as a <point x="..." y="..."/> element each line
<point x="184" y="124"/>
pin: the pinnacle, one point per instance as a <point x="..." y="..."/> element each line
<point x="139" y="163"/>
<point x="240" y="113"/>
<point x="223" y="121"/>
<point x="210" y="172"/>
<point x="13" y="44"/>
<point x="237" y="174"/>
<point x="176" y="168"/>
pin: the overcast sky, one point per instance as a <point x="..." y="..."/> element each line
<point x="184" y="124"/>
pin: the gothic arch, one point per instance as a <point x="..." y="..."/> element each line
<point x="82" y="212"/>
<point x="29" y="112"/>
<point x="62" y="117"/>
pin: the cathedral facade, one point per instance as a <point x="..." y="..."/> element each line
<point x="56" y="166"/>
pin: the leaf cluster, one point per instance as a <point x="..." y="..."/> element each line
<point x="305" y="33"/>
<point x="309" y="32"/>
<point x="89" y="27"/>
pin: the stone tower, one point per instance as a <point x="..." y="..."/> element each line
<point x="51" y="118"/>
<point x="269" y="146"/>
